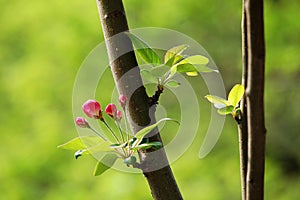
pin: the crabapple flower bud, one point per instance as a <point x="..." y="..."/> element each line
<point x="119" y="115"/>
<point x="92" y="109"/>
<point x="82" y="122"/>
<point x="111" y="110"/>
<point x="122" y="100"/>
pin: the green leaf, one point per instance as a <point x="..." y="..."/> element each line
<point x="173" y="71"/>
<point x="136" y="143"/>
<point x="174" y="60"/>
<point x="173" y="84"/>
<point x="144" y="50"/>
<point x="192" y="73"/>
<point x="187" y="67"/>
<point x="193" y="69"/>
<point x="204" y="69"/>
<point x="91" y="144"/>
<point x="105" y="163"/>
<point x="118" y="146"/>
<point x="172" y="55"/>
<point x="148" y="75"/>
<point x="146" y="130"/>
<point x="226" y="110"/>
<point x="218" y="101"/>
<point x="194" y="60"/>
<point x="74" y="144"/>
<point x="144" y="146"/>
<point x="236" y="94"/>
<point x="159" y="70"/>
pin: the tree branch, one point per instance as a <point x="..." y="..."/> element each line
<point x="255" y="98"/>
<point x="129" y="83"/>
<point x="243" y="126"/>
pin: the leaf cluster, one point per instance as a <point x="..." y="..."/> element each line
<point x="231" y="105"/>
<point x="162" y="71"/>
<point x="89" y="145"/>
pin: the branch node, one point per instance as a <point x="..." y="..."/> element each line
<point x="154" y="99"/>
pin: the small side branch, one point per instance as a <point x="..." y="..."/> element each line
<point x="154" y="99"/>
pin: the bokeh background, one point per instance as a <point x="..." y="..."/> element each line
<point x="42" y="45"/>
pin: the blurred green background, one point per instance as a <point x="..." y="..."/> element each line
<point x="42" y="45"/>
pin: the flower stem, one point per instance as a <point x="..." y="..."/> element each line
<point x="112" y="132"/>
<point x="120" y="130"/>
<point x="127" y="132"/>
<point x="121" y="133"/>
<point x="97" y="133"/>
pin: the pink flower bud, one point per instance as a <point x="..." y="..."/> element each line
<point x="111" y="110"/>
<point x="92" y="109"/>
<point x="119" y="115"/>
<point x="81" y="122"/>
<point x="122" y="100"/>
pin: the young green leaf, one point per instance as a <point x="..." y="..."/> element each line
<point x="159" y="70"/>
<point x="136" y="143"/>
<point x="192" y="70"/>
<point x="226" y="110"/>
<point x="236" y="94"/>
<point x="192" y="73"/>
<point x="88" y="144"/>
<point x="105" y="163"/>
<point x="204" y="69"/>
<point x="147" y="75"/>
<point x="147" y="129"/>
<point x="172" y="55"/>
<point x="118" y="146"/>
<point x="218" y="101"/>
<point x="173" y="70"/>
<point x="194" y="60"/>
<point x="144" y="146"/>
<point x="144" y="50"/>
<point x="187" y="67"/>
<point x="74" y="144"/>
<point x="174" y="60"/>
<point x="173" y="84"/>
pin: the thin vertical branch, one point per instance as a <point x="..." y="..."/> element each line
<point x="127" y="77"/>
<point x="243" y="126"/>
<point x="255" y="98"/>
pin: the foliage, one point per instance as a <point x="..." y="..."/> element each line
<point x="123" y="147"/>
<point x="173" y="59"/>
<point x="126" y="148"/>
<point x="230" y="106"/>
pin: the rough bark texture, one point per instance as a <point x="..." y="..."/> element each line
<point x="254" y="55"/>
<point x="128" y="81"/>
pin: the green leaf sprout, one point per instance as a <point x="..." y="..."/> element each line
<point x="230" y="106"/>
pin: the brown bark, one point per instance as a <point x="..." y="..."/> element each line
<point x="243" y="126"/>
<point x="127" y="77"/>
<point x="254" y="70"/>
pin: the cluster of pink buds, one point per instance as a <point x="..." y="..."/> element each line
<point x="92" y="109"/>
<point x="111" y="110"/>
